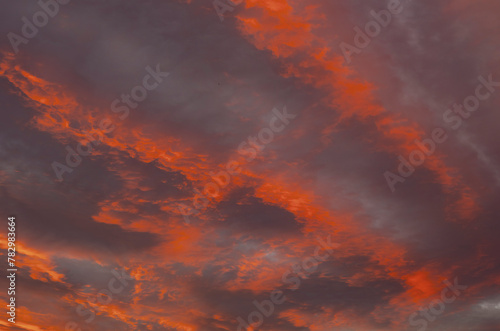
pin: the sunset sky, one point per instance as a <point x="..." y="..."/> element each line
<point x="177" y="164"/>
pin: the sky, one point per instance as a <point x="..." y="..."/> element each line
<point x="277" y="165"/>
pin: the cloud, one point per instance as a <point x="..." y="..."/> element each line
<point x="323" y="175"/>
